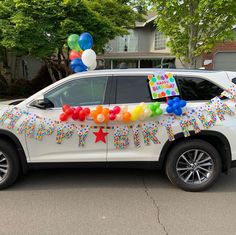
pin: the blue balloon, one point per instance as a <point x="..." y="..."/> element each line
<point x="78" y="66"/>
<point x="85" y="41"/>
<point x="176" y="99"/>
<point x="170" y="102"/>
<point x="182" y="103"/>
<point x="178" y="111"/>
<point x="175" y="105"/>
<point x="169" y="109"/>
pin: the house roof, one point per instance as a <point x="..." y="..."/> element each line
<point x="148" y="18"/>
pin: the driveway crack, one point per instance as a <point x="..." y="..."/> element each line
<point x="155" y="204"/>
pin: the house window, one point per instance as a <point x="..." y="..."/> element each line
<point x="128" y="43"/>
<point x="160" y="41"/>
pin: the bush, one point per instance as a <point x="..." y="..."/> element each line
<point x="20" y="89"/>
<point x="3" y="89"/>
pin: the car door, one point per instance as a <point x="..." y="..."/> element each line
<point x="71" y="141"/>
<point x="131" y="90"/>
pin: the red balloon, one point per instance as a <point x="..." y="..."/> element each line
<point x="69" y="111"/>
<point x="116" y="109"/>
<point x="82" y="115"/>
<point x="63" y="117"/>
<point x="86" y="111"/>
<point x="75" y="116"/>
<point x="75" y="55"/>
<point x="65" y="107"/>
<point x="112" y="116"/>
<point x="78" y="109"/>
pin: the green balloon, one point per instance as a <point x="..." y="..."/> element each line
<point x="72" y="42"/>
<point x="159" y="111"/>
<point x="157" y="104"/>
<point x="152" y="107"/>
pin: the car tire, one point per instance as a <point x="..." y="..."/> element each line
<point x="193" y="165"/>
<point x="9" y="164"/>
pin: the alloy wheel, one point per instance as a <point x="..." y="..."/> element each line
<point x="195" y="166"/>
<point x="4" y="166"/>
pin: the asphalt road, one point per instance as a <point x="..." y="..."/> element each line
<point x="114" y="202"/>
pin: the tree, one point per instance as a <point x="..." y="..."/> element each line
<point x="40" y="28"/>
<point x="195" y="26"/>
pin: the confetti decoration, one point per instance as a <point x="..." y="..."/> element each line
<point x="121" y="137"/>
<point x="64" y="132"/>
<point x="46" y="127"/>
<point x="13" y="118"/>
<point x="167" y="124"/>
<point x="27" y="126"/>
<point x="136" y="135"/>
<point x="206" y="116"/>
<point x="83" y="133"/>
<point x="221" y="108"/>
<point x="149" y="131"/>
<point x="186" y="122"/>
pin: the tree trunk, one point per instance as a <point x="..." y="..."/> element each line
<point x="50" y="71"/>
<point x="5" y="70"/>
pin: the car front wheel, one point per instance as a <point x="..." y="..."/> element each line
<point x="9" y="164"/>
<point x="193" y="165"/>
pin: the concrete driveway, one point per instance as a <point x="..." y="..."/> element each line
<point x="114" y="202"/>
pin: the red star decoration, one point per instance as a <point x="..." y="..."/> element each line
<point x="100" y="136"/>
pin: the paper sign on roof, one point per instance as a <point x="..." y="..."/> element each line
<point x="163" y="85"/>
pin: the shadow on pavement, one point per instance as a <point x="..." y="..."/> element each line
<point x="108" y="178"/>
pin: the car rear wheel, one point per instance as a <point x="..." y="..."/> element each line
<point x="193" y="165"/>
<point x="9" y="164"/>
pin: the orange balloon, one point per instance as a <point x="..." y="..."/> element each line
<point x="99" y="108"/>
<point x="126" y="117"/>
<point x="93" y="113"/>
<point x="106" y="119"/>
<point x="105" y="111"/>
<point x="95" y="119"/>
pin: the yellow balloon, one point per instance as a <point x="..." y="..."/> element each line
<point x="134" y="116"/>
<point x="139" y="110"/>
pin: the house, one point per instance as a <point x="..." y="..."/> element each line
<point x="223" y="56"/>
<point x="144" y="47"/>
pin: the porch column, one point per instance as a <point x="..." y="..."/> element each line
<point x="111" y="64"/>
<point x="139" y="64"/>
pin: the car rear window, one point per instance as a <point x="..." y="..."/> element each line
<point x="195" y="88"/>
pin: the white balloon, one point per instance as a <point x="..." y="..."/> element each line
<point x="147" y="112"/>
<point x="93" y="67"/>
<point x="89" y="57"/>
<point x="124" y="108"/>
<point x="119" y="117"/>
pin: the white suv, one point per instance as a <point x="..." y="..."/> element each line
<point x="193" y="150"/>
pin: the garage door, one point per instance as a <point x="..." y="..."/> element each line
<point x="225" y="61"/>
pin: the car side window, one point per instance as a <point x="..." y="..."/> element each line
<point x="79" y="92"/>
<point x="234" y="80"/>
<point x="194" y="88"/>
<point x="132" y="89"/>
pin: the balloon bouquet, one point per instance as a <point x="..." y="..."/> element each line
<point x="82" y="57"/>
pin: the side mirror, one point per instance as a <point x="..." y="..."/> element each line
<point x="42" y="104"/>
